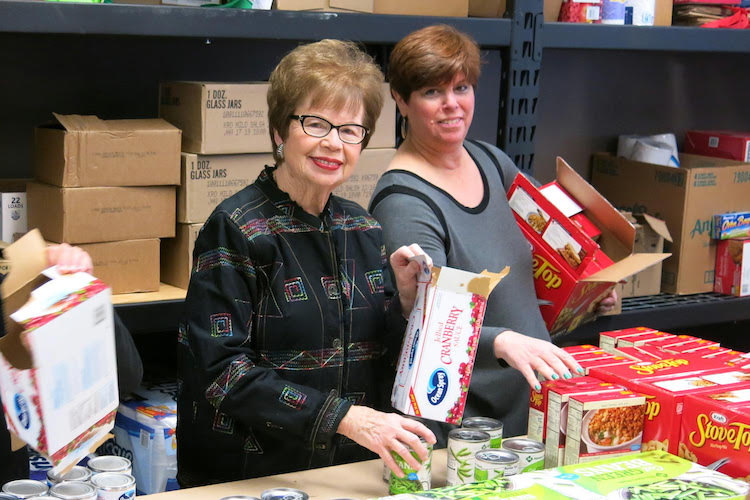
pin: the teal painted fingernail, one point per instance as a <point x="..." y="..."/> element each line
<point x="538" y="387"/>
<point x="555" y="376"/>
<point x="567" y="375"/>
<point x="580" y="370"/>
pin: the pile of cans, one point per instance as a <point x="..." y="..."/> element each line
<point x="104" y="478"/>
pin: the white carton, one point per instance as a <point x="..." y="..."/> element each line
<point x="58" y="372"/>
<point x="12" y="216"/>
<point x="437" y="356"/>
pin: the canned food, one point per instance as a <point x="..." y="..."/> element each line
<point x="110" y="463"/>
<point x="491" y="426"/>
<point x="77" y="473"/>
<point x="113" y="485"/>
<point x="240" y="497"/>
<point x="25" y="488"/>
<point x="462" y="445"/>
<point x="413" y="480"/>
<point x="494" y="464"/>
<point x="3" y="496"/>
<point x="73" y="490"/>
<point x="530" y="453"/>
<point x="283" y="494"/>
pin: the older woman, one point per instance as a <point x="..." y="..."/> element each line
<point x="448" y="195"/>
<point x="287" y="329"/>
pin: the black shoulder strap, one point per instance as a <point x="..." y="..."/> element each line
<point x="492" y="157"/>
<point x="417" y="194"/>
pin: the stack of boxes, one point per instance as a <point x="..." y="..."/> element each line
<point x="108" y="187"/>
<point x="226" y="144"/>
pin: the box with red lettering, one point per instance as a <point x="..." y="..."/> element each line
<point x="572" y="272"/>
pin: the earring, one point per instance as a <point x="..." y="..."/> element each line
<point x="280" y="151"/>
<point x="404" y="126"/>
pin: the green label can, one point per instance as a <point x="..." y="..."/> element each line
<point x="462" y="445"/>
<point x="494" y="464"/>
<point x="530" y="453"/>
<point x="413" y="480"/>
<point x="489" y="425"/>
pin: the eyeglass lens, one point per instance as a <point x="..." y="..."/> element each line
<point x="319" y="127"/>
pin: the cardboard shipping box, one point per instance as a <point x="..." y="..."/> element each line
<point x="360" y="185"/>
<point x="571" y="271"/>
<point x="487" y="8"/>
<point x="453" y="8"/>
<point x="650" y="234"/>
<point x="207" y="180"/>
<point x="218" y="118"/>
<point x="126" y="266"/>
<point x="97" y="214"/>
<point x="81" y="151"/>
<point x="686" y="198"/>
<point x="58" y="372"/>
<point x="177" y="255"/>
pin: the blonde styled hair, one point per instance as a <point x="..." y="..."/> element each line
<point x="432" y="56"/>
<point x="333" y="73"/>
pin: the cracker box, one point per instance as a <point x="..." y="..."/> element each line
<point x="603" y="424"/>
<point x="722" y="144"/>
<point x="437" y="355"/>
<point x="733" y="268"/>
<point x="572" y="272"/>
<point x="557" y="415"/>
<point x="731" y="225"/>
<point x="716" y="428"/>
<point x="58" y="372"/>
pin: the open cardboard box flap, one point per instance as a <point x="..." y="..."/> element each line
<point x="658" y="225"/>
<point x="91" y="123"/>
<point x="627" y="267"/>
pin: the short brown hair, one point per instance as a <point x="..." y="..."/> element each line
<point x="432" y="56"/>
<point x="334" y="73"/>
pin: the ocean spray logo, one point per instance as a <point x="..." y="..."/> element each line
<point x="22" y="411"/>
<point x="413" y="351"/>
<point x="437" y="388"/>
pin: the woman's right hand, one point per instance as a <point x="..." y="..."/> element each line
<point x="527" y="354"/>
<point x="385" y="432"/>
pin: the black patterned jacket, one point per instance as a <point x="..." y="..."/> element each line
<point x="285" y="327"/>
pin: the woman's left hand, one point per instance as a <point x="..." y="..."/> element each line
<point x="69" y="259"/>
<point x="406" y="272"/>
<point x="607" y="303"/>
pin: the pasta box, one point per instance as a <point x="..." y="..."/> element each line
<point x="572" y="272"/>
<point x="603" y="424"/>
<point x="58" y="372"/>
<point x="439" y="347"/>
<point x="716" y="428"/>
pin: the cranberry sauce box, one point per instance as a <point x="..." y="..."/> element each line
<point x="603" y="425"/>
<point x="716" y="427"/>
<point x="733" y="268"/>
<point x="572" y="272"/>
<point x="437" y="355"/>
<point x="58" y="372"/>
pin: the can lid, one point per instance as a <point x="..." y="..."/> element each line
<point x="109" y="463"/>
<point x="112" y="481"/>
<point x="481" y="423"/>
<point x="76" y="473"/>
<point x="73" y="490"/>
<point x="523" y="445"/>
<point x="240" y="497"/>
<point x="468" y="435"/>
<point x="25" y="487"/>
<point x="283" y="494"/>
<point x="497" y="456"/>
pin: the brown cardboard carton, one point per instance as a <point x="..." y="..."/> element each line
<point x="87" y="151"/>
<point x="218" y="118"/>
<point x="360" y="185"/>
<point x="487" y="8"/>
<point x="68" y="344"/>
<point x="650" y="234"/>
<point x="209" y="179"/>
<point x="453" y="8"/>
<point x="96" y="214"/>
<point x="385" y="128"/>
<point x="126" y="266"/>
<point x="686" y="198"/>
<point x="177" y="255"/>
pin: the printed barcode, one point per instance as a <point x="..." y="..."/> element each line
<point x="713" y="142"/>
<point x="745" y="289"/>
<point x="99" y="314"/>
<point x="145" y="439"/>
<point x="592" y="13"/>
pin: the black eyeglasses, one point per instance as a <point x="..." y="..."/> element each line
<point x="315" y="126"/>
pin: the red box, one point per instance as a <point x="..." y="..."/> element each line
<point x="672" y="366"/>
<point x="733" y="268"/>
<point x="608" y="340"/>
<point x="720" y="144"/>
<point x="571" y="272"/>
<point x="577" y="350"/>
<point x="603" y="361"/>
<point x="715" y="426"/>
<point x="634" y="341"/>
